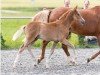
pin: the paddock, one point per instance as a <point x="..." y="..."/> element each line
<point x="16" y="13"/>
<point x="58" y="63"/>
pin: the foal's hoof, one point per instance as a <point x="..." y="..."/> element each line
<point x="88" y="60"/>
<point x="72" y="63"/>
<point x="47" y="66"/>
<point x="14" y="68"/>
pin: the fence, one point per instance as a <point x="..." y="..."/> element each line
<point x="16" y="17"/>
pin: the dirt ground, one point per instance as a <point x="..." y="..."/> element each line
<point x="58" y="63"/>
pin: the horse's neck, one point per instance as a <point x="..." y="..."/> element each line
<point x="81" y="30"/>
<point x="68" y="20"/>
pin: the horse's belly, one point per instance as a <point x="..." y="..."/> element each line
<point x="51" y="37"/>
<point x="48" y="38"/>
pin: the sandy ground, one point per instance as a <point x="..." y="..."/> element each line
<point x="58" y="63"/>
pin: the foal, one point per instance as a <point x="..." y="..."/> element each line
<point x="55" y="31"/>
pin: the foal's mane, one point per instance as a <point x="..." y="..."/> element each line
<point x="64" y="15"/>
<point x="67" y="14"/>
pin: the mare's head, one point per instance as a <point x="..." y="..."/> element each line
<point x="72" y="15"/>
<point x="75" y="14"/>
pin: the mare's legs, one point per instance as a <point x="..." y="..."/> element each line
<point x="93" y="56"/>
<point x="98" y="37"/>
<point x="44" y="44"/>
<point x="96" y="54"/>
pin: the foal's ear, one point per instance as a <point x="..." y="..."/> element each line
<point x="75" y="8"/>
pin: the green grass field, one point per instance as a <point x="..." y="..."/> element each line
<point x="27" y="8"/>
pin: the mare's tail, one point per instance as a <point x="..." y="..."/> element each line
<point x="18" y="33"/>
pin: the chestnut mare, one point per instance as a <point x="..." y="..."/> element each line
<point x="56" y="31"/>
<point x="91" y="27"/>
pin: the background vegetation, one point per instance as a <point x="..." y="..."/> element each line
<point x="27" y="8"/>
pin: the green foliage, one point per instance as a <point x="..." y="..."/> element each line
<point x="74" y="39"/>
<point x="81" y="40"/>
<point x="2" y="41"/>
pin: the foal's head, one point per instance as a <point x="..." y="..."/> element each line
<point x="76" y="16"/>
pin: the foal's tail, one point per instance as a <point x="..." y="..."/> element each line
<point x="18" y="33"/>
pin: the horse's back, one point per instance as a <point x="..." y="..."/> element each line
<point x="96" y="9"/>
<point x="57" y="12"/>
<point x="41" y="16"/>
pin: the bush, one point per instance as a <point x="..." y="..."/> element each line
<point x="2" y="41"/>
<point x="81" y="40"/>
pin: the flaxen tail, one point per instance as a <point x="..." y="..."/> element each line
<point x="18" y="33"/>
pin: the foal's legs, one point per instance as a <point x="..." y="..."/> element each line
<point x="44" y="44"/>
<point x="18" y="54"/>
<point x="25" y="45"/>
<point x="66" y="43"/>
<point x="51" y="52"/>
<point x="65" y="48"/>
<point x="30" y="51"/>
<point x="52" y="49"/>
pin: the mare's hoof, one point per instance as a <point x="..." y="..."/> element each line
<point x="47" y="66"/>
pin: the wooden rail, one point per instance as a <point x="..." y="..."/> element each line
<point x="16" y="17"/>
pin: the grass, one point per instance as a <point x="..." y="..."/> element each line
<point x="9" y="27"/>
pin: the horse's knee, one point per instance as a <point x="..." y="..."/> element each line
<point x="22" y="48"/>
<point x="45" y="43"/>
<point x="64" y="46"/>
